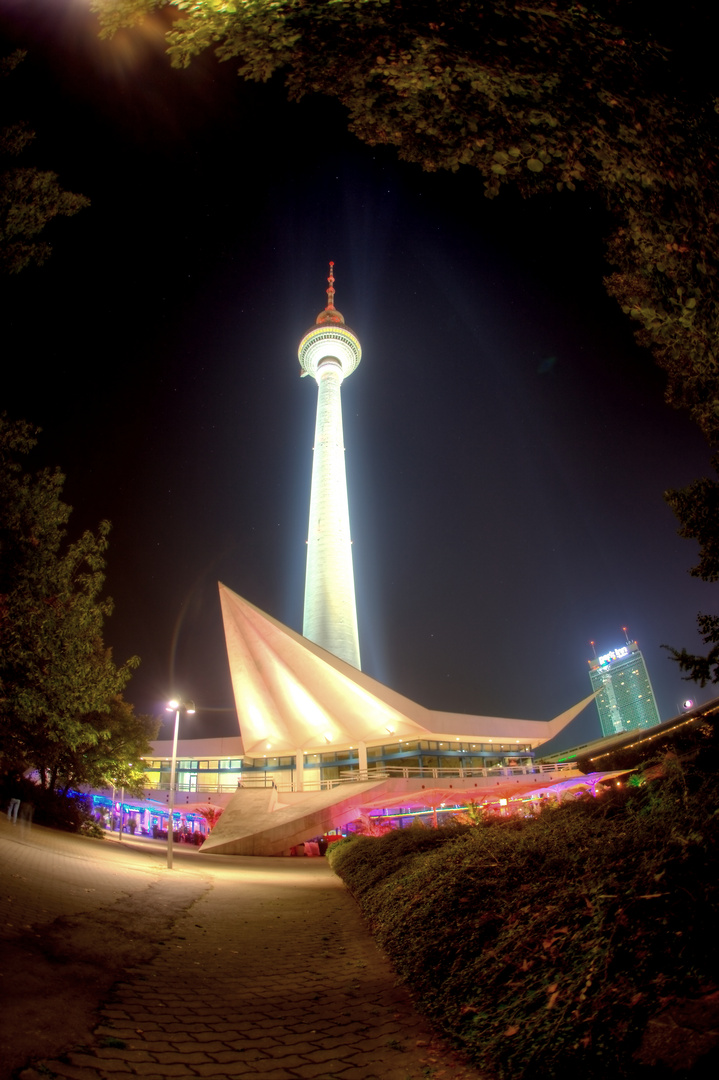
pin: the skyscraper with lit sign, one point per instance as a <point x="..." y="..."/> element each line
<point x="329" y="352"/>
<point x="625" y="699"/>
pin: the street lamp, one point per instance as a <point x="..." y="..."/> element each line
<point x="177" y="707"/>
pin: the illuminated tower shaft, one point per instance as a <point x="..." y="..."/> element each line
<point x="330" y="618"/>
<point x="330" y="352"/>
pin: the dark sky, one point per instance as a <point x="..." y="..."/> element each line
<point x="507" y="444"/>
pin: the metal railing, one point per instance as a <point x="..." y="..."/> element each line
<point x="457" y="772"/>
<point x="197" y="789"/>
<point x="290" y="784"/>
<point x="355" y="776"/>
<point x="387" y="772"/>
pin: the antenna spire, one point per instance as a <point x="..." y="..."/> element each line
<point x="331" y="290"/>
<point x="330" y="315"/>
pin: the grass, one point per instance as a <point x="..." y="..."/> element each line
<point x="545" y="945"/>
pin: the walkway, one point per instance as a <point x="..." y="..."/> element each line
<point x="224" y="967"/>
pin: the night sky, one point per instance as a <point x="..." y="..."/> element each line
<point x="507" y="444"/>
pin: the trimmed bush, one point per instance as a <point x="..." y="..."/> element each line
<point x="544" y="945"/>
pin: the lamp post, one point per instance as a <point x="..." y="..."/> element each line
<point x="177" y="707"/>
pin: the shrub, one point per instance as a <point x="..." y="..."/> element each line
<point x="60" y="811"/>
<point x="363" y="861"/>
<point x="543" y="945"/>
<point x="93" y="828"/>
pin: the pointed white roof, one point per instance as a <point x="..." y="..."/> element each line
<point x="293" y="695"/>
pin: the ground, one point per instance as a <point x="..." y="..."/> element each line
<point x="222" y="967"/>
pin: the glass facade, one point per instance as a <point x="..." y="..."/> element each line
<point x="625" y="699"/>
<point x="217" y="774"/>
<point x="224" y="774"/>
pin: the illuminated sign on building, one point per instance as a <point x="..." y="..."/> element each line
<point x="614" y="654"/>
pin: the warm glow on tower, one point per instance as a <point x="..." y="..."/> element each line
<point x="330" y="352"/>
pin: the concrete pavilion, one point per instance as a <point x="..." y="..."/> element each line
<point x="322" y="743"/>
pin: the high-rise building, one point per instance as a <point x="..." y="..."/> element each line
<point x="625" y="699"/>
<point x="330" y="352"/>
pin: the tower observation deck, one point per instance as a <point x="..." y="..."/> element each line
<point x="329" y="352"/>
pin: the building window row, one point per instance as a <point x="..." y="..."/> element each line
<point x="212" y="765"/>
<point x="218" y="773"/>
<point x="404" y="751"/>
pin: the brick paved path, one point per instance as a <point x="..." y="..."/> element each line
<point x="224" y="967"/>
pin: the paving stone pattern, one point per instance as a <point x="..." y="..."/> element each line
<point x="266" y="971"/>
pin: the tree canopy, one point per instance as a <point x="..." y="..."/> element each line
<point x="545" y="95"/>
<point x="29" y="197"/>
<point x="110" y="751"/>
<point x="697" y="508"/>
<point x="60" y="707"/>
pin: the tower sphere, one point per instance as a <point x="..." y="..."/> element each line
<point x="329" y="340"/>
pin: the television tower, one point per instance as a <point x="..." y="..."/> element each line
<point x="330" y="352"/>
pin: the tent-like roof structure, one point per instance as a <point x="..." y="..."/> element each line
<point x="292" y="695"/>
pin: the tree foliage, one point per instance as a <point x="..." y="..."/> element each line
<point x="29" y="197"/>
<point x="110" y="750"/>
<point x="210" y="813"/>
<point x="697" y="508"/>
<point x="545" y="96"/>
<point x="59" y="707"/>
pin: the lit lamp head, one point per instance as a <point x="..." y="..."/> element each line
<point x="180" y="706"/>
